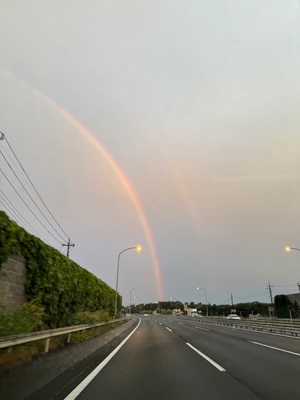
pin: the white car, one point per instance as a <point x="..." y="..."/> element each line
<point x="233" y="316"/>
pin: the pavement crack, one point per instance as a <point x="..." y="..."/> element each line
<point x="249" y="387"/>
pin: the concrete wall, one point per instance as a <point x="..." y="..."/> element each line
<point x="12" y="281"/>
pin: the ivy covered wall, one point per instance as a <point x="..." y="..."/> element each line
<point x="60" y="285"/>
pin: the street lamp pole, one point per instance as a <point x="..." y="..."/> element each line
<point x="288" y="248"/>
<point x="137" y="248"/>
<point x="200" y="288"/>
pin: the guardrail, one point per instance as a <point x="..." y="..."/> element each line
<point x="282" y="327"/>
<point x="10" y="341"/>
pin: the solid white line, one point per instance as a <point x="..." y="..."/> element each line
<point x="276" y="348"/>
<point x="169" y="329"/>
<point x="92" y="375"/>
<point x="203" y="329"/>
<point x="221" y="369"/>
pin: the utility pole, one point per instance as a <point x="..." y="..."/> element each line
<point x="68" y="245"/>
<point x="270" y="290"/>
<point x="271" y="309"/>
<point x="231" y="300"/>
<point x="298" y="283"/>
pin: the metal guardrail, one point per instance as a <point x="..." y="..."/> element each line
<point x="282" y="327"/>
<point x="10" y="341"/>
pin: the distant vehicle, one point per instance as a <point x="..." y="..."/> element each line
<point x="192" y="312"/>
<point x="146" y="315"/>
<point x="233" y="316"/>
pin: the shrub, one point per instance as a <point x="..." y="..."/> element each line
<point x="59" y="285"/>
<point x="28" y="319"/>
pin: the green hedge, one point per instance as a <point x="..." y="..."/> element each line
<point x="61" y="286"/>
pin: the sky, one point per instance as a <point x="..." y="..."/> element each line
<point x="169" y="124"/>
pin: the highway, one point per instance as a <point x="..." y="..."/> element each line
<point x="157" y="363"/>
<point x="174" y="358"/>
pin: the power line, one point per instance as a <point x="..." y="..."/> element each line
<point x="14" y="211"/>
<point x="30" y="195"/>
<point x="28" y="206"/>
<point x="11" y="159"/>
<point x="34" y="188"/>
<point x="30" y="183"/>
<point x="9" y="209"/>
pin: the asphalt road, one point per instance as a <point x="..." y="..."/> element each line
<point x="174" y="358"/>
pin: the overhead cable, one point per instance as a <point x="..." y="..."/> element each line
<point x="34" y="188"/>
<point x="30" y="196"/>
<point x="28" y="207"/>
<point x="14" y="211"/>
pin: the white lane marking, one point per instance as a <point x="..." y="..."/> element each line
<point x="169" y="329"/>
<point x="160" y="323"/>
<point x="276" y="348"/>
<point x="202" y="329"/>
<point x="92" y="375"/>
<point x="221" y="369"/>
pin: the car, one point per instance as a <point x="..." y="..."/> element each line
<point x="233" y="316"/>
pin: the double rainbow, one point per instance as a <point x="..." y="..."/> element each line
<point x="124" y="180"/>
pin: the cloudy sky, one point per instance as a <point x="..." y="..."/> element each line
<point x="173" y="124"/>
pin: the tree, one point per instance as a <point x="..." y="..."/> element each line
<point x="284" y="306"/>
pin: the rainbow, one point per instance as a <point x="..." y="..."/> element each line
<point x="115" y="167"/>
<point x="178" y="181"/>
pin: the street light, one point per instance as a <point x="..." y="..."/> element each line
<point x="137" y="248"/>
<point x="130" y="297"/>
<point x="288" y="248"/>
<point x="200" y="288"/>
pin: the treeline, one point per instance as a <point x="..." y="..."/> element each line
<point x="242" y="309"/>
<point x="63" y="289"/>
<point x="284" y="308"/>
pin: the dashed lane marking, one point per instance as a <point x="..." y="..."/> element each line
<point x="212" y="362"/>
<point x="202" y="329"/>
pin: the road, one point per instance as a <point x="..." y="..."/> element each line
<point x="173" y="358"/>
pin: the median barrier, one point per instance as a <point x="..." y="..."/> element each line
<point x="282" y="327"/>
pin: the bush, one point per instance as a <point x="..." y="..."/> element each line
<point x="60" y="285"/>
<point x="28" y="319"/>
<point x="87" y="317"/>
